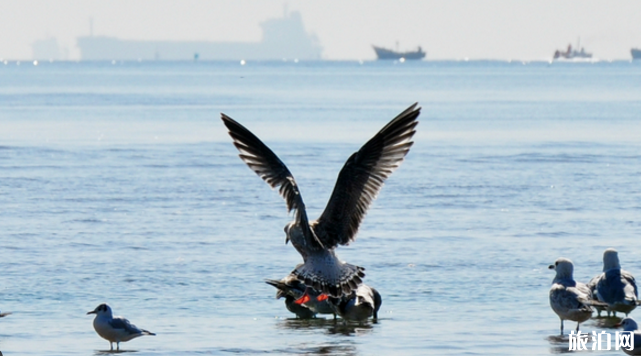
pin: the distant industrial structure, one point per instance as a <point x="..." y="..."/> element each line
<point x="283" y="38"/>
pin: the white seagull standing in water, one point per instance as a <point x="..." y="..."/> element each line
<point x="114" y="329"/>
<point x="358" y="184"/>
<point x="614" y="286"/>
<point x="569" y="299"/>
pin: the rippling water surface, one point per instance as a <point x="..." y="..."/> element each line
<point x="119" y="184"/>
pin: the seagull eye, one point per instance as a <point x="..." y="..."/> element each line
<point x="556" y="263"/>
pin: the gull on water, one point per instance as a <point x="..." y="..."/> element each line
<point x="569" y="299"/>
<point x="361" y="305"/>
<point x="293" y="290"/>
<point x="614" y="286"/>
<point x="357" y="185"/>
<point x="114" y="328"/>
<point x="629" y="324"/>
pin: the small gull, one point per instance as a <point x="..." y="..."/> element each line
<point x="361" y="305"/>
<point x="114" y="328"/>
<point x="358" y="184"/>
<point x="629" y="324"/>
<point x="293" y="290"/>
<point x="614" y="286"/>
<point x="569" y="299"/>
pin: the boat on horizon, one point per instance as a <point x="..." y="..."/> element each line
<point x="636" y="53"/>
<point x="572" y="53"/>
<point x="384" y="53"/>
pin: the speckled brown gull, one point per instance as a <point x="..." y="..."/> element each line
<point x="358" y="184"/>
<point x="570" y="300"/>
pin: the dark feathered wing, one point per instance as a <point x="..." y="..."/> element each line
<point x="268" y="166"/>
<point x="630" y="278"/>
<point x="362" y="177"/>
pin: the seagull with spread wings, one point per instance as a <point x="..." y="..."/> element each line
<point x="358" y="184"/>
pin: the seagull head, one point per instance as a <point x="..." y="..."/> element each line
<point x="102" y="309"/>
<point x="628" y="324"/>
<point x="610" y="259"/>
<point x="563" y="267"/>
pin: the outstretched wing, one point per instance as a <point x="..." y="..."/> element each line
<point x="362" y="177"/>
<point x="269" y="167"/>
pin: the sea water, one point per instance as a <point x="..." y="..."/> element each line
<point x="119" y="184"/>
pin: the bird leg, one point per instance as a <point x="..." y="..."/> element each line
<point x="304" y="298"/>
<point x="322" y="297"/>
<point x="561" y="327"/>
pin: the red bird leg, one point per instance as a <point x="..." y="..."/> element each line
<point x="303" y="299"/>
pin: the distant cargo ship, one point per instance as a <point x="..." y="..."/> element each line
<point x="283" y="38"/>
<point x="384" y="53"/>
<point x="571" y="53"/>
<point x="636" y="53"/>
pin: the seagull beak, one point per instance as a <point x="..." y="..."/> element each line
<point x="551" y="267"/>
<point x="91" y="312"/>
<point x="286" y="240"/>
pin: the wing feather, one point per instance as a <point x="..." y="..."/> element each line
<point x="363" y="176"/>
<point x="264" y="162"/>
<point x="119" y="322"/>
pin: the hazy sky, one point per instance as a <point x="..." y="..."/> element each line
<point x="447" y="29"/>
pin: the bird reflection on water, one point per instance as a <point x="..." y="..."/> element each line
<point x="347" y="350"/>
<point x="331" y="326"/>
<point x="111" y="352"/>
<point x="559" y="344"/>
